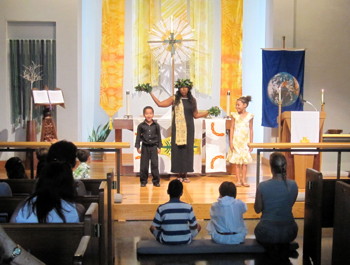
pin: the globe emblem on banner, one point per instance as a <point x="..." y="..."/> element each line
<point x="289" y="86"/>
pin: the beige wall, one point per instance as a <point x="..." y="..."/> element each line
<point x="66" y="15"/>
<point x="322" y="28"/>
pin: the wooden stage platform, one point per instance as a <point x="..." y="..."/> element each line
<point x="140" y="203"/>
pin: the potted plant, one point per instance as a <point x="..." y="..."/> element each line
<point x="99" y="135"/>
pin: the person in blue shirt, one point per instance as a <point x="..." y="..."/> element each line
<point x="275" y="199"/>
<point x="227" y="225"/>
<point x="53" y="198"/>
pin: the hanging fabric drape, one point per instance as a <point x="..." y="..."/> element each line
<point x="201" y="64"/>
<point x="146" y="13"/>
<point x="231" y="49"/>
<point x="24" y="53"/>
<point x="112" y="56"/>
<point x="199" y="14"/>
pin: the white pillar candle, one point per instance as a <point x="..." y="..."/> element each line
<point x="322" y="96"/>
<point x="279" y="96"/>
<point x="228" y="103"/>
<point x="171" y="25"/>
<point x="128" y="102"/>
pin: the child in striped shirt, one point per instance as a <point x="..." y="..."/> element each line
<point x="175" y="222"/>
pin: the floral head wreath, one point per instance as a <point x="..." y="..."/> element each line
<point x="184" y="83"/>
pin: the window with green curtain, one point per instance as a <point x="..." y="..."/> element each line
<point x="24" y="53"/>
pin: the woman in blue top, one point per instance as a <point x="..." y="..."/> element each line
<point x="53" y="199"/>
<point x="275" y="199"/>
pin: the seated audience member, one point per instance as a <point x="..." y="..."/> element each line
<point x="53" y="198"/>
<point x="5" y="189"/>
<point x="15" y="168"/>
<point x="227" y="225"/>
<point x="11" y="253"/>
<point x="41" y="155"/>
<point x="174" y="222"/>
<point x="65" y="151"/>
<point x="275" y="199"/>
<point x="83" y="170"/>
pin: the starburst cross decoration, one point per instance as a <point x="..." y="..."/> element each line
<point x="171" y="41"/>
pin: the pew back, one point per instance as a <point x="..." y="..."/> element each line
<point x="9" y="204"/>
<point x="56" y="243"/>
<point x="102" y="217"/>
<point x="341" y="232"/>
<point x="319" y="212"/>
<point x="21" y="186"/>
<point x="92" y="185"/>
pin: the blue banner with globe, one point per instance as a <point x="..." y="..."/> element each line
<point x="283" y="78"/>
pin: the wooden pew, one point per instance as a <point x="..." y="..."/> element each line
<point x="109" y="222"/>
<point x="104" y="191"/>
<point x="101" y="193"/>
<point x="8" y="206"/>
<point x="27" y="186"/>
<point x="99" y="198"/>
<point x="92" y="185"/>
<point x="341" y="231"/>
<point x="57" y="243"/>
<point x="21" y="186"/>
<point x="107" y="228"/>
<point x="83" y="253"/>
<point x="319" y="212"/>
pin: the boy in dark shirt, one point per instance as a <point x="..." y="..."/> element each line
<point x="148" y="132"/>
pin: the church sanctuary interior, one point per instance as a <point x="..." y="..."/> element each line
<point x="84" y="70"/>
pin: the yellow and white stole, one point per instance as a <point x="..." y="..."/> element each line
<point x="180" y="124"/>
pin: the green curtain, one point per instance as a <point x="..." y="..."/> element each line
<point x="25" y="53"/>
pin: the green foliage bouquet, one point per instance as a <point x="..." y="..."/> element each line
<point x="184" y="83"/>
<point x="144" y="88"/>
<point x="214" y="111"/>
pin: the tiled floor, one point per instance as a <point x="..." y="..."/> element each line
<point x="127" y="234"/>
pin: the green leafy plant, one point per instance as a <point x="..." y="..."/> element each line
<point x="214" y="111"/>
<point x="184" y="83"/>
<point x="144" y="88"/>
<point x="100" y="134"/>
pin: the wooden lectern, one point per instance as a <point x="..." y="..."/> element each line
<point x="48" y="99"/>
<point x="298" y="163"/>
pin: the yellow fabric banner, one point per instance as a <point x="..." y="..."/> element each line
<point x="146" y="13"/>
<point x="201" y="63"/>
<point x="112" y="56"/>
<point x="199" y="14"/>
<point x="231" y="50"/>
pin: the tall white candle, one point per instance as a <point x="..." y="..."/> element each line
<point x="228" y="103"/>
<point x="322" y="96"/>
<point x="279" y="96"/>
<point x="171" y="25"/>
<point x="128" y="102"/>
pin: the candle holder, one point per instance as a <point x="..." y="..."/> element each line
<point x="322" y="106"/>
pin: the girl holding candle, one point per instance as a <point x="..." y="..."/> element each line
<point x="241" y="133"/>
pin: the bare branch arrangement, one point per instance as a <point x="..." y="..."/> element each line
<point x="32" y="73"/>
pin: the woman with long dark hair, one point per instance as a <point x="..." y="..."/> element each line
<point x="53" y="198"/>
<point x="184" y="107"/>
<point x="275" y="199"/>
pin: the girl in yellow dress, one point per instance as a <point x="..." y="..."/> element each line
<point x="241" y="133"/>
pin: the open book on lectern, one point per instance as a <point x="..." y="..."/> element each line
<point x="48" y="97"/>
